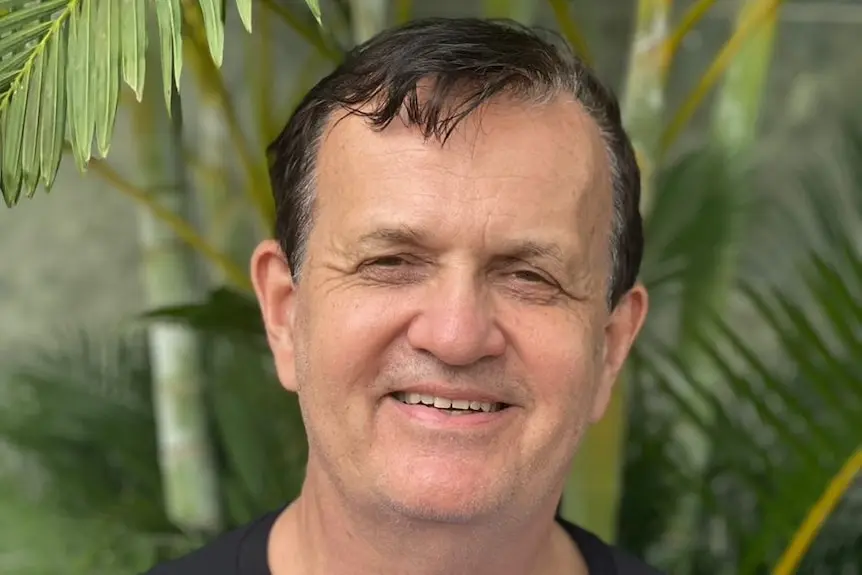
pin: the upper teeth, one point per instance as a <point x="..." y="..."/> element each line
<point x="443" y="403"/>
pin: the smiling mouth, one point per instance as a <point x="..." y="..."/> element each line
<point x="450" y="406"/>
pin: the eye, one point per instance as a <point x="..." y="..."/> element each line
<point x="393" y="270"/>
<point x="388" y="261"/>
<point x="530" y="276"/>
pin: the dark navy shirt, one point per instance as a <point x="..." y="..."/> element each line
<point x="244" y="552"/>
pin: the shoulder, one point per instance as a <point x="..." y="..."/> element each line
<point x="242" y="550"/>
<point x="604" y="559"/>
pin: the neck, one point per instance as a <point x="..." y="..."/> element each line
<point x="321" y="533"/>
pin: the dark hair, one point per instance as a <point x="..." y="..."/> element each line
<point x="468" y="62"/>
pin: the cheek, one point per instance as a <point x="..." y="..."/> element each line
<point x="563" y="388"/>
<point x="571" y="387"/>
<point x="347" y="336"/>
<point x="565" y="370"/>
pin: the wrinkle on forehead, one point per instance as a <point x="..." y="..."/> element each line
<point x="555" y="149"/>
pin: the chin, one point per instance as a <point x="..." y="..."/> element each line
<point x="441" y="509"/>
<point x="441" y="493"/>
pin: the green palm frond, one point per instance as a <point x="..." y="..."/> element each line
<point x="656" y="464"/>
<point x="698" y="202"/>
<point x="783" y="430"/>
<point x="259" y="431"/>
<point x="314" y="6"/>
<point x="84" y="413"/>
<point x="225" y="312"/>
<point x="79" y="421"/>
<point x="60" y="67"/>
<point x="784" y="417"/>
<point x="61" y="64"/>
<point x="82" y="493"/>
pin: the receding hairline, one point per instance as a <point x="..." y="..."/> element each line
<point x="539" y="97"/>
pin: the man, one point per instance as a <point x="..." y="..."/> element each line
<point x="451" y="293"/>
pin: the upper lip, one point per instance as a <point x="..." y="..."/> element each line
<point x="453" y="392"/>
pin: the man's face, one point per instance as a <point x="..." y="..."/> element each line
<point x="472" y="276"/>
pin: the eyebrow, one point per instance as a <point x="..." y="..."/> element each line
<point x="400" y="235"/>
<point x="410" y="236"/>
<point x="529" y="249"/>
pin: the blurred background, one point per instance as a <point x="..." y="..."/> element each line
<point x="139" y="411"/>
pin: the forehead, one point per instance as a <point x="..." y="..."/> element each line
<point x="531" y="162"/>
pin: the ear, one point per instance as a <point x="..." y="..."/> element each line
<point x="276" y="294"/>
<point x="621" y="330"/>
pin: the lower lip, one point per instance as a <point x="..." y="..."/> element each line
<point x="437" y="418"/>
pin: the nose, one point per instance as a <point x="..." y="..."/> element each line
<point x="456" y="323"/>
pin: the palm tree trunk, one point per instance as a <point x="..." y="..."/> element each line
<point x="593" y="489"/>
<point x="368" y="17"/>
<point x="225" y="213"/>
<point x="227" y="217"/>
<point x="171" y="276"/>
<point x="643" y="101"/>
<point x="737" y="107"/>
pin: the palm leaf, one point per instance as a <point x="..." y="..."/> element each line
<point x="80" y="420"/>
<point x="83" y="494"/>
<point x="314" y="6"/>
<point x="225" y="313"/>
<point x="785" y="418"/>
<point x="60" y="67"/>
<point x="777" y="439"/>
<point x="259" y="431"/>
<point x="656" y="466"/>
<point x="698" y="200"/>
<point x="84" y="413"/>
